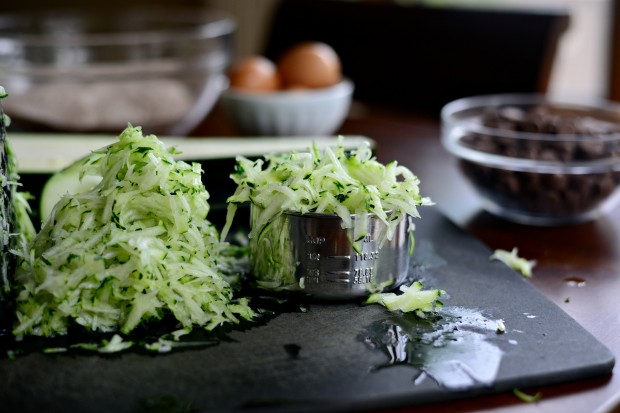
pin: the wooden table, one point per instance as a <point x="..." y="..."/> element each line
<point x="588" y="252"/>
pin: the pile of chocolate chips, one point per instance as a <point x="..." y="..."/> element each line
<point x="589" y="134"/>
<point x="554" y="195"/>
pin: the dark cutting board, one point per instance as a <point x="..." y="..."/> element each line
<point x="341" y="356"/>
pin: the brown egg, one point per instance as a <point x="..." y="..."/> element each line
<point x="311" y="65"/>
<point x="255" y="74"/>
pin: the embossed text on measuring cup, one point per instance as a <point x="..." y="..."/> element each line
<point x="364" y="262"/>
<point x="313" y="259"/>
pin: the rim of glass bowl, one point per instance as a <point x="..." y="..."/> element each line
<point x="453" y="128"/>
<point x="197" y="24"/>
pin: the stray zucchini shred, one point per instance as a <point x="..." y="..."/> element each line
<point x="413" y="298"/>
<point x="514" y="261"/>
<point x="527" y="398"/>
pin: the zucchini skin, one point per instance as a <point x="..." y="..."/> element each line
<point x="7" y="227"/>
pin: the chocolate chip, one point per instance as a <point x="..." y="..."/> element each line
<point x="554" y="194"/>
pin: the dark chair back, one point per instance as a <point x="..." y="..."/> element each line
<point x="423" y="57"/>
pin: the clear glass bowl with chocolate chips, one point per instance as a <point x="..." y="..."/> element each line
<point x="536" y="160"/>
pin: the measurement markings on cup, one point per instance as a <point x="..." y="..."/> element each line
<point x="339" y="276"/>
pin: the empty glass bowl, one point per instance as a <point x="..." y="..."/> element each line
<point x="98" y="70"/>
<point x="536" y="160"/>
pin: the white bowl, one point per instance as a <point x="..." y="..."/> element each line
<point x="308" y="112"/>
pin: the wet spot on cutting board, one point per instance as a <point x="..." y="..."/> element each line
<point x="456" y="349"/>
<point x="292" y="350"/>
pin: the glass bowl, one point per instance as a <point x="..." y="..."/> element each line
<point x="98" y="70"/>
<point x="534" y="159"/>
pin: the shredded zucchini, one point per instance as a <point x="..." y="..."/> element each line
<point x="115" y="344"/>
<point x="332" y="181"/>
<point x="527" y="398"/>
<point x="501" y="327"/>
<point x="16" y="227"/>
<point x="412" y="298"/>
<point x="512" y="260"/>
<point x="136" y="247"/>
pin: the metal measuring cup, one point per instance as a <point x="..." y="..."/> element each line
<point x="324" y="263"/>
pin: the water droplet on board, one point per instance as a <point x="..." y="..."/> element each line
<point x="292" y="350"/>
<point x="575" y="282"/>
<point x="455" y="350"/>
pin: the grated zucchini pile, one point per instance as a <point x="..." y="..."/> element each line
<point x="136" y="247"/>
<point x="332" y="181"/>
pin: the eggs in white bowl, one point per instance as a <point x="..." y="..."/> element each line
<point x="303" y="93"/>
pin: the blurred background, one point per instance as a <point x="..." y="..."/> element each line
<point x="431" y="49"/>
<point x="583" y="63"/>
